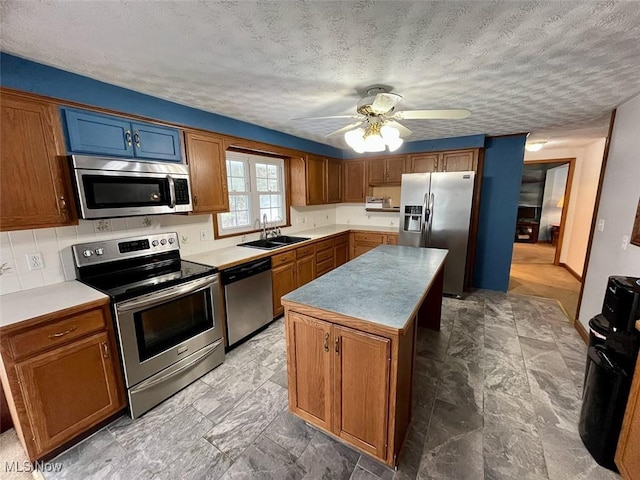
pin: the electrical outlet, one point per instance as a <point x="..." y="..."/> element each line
<point x="304" y="219"/>
<point x="625" y="242"/>
<point x="34" y="260"/>
<point x="600" y="225"/>
<point x="203" y="235"/>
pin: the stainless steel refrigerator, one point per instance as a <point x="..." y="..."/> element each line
<point x="435" y="211"/>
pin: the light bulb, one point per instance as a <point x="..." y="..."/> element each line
<point x="394" y="144"/>
<point x="388" y="133"/>
<point x="374" y="143"/>
<point x="354" y="137"/>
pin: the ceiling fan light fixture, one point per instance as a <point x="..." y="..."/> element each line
<point x="534" y="147"/>
<point x="355" y="138"/>
<point x="374" y="143"/>
<point x="389" y="133"/>
<point x="394" y="144"/>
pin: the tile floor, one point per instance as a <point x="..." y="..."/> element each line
<point x="497" y="396"/>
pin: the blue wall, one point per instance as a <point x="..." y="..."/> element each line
<point x="33" y="77"/>
<point x="500" y="183"/>
<point x="503" y="163"/>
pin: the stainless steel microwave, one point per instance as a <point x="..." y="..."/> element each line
<point x="111" y="187"/>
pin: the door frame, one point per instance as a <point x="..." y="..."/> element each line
<point x="567" y="197"/>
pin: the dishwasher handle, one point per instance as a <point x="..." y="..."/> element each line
<point x="235" y="274"/>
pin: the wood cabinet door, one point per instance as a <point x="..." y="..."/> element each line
<point x="395" y="169"/>
<point x="305" y="270"/>
<point x="156" y="142"/>
<point x="309" y="360"/>
<point x="361" y="388"/>
<point x="391" y="239"/>
<point x="334" y="180"/>
<point x="424" y="163"/>
<point x="70" y="389"/>
<point x="355" y="181"/>
<point x="316" y="180"/>
<point x="284" y="281"/>
<point x="377" y="168"/>
<point x="208" y="167"/>
<point x="460" y="161"/>
<point x="33" y="177"/>
<point x="341" y="254"/>
<point x="628" y="452"/>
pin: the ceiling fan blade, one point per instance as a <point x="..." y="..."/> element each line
<point x="333" y="116"/>
<point x="453" y="114"/>
<point x="404" y="131"/>
<point x="384" y="102"/>
<point x="344" y="129"/>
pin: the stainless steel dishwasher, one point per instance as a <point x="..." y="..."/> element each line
<point x="248" y="298"/>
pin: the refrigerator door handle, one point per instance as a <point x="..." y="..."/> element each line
<point x="427" y="218"/>
<point x="431" y="202"/>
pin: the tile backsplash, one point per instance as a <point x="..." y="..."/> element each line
<point x="54" y="244"/>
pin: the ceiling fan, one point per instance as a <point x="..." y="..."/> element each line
<point x="377" y="127"/>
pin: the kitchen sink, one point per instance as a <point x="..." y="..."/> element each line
<point x="273" y="242"/>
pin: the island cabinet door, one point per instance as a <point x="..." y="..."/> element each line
<point x="309" y="356"/>
<point x="361" y="389"/>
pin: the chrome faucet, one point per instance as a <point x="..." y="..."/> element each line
<point x="263" y="234"/>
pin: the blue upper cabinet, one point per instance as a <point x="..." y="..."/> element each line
<point x="98" y="134"/>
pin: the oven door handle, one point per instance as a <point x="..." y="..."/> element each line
<point x="164" y="295"/>
<point x="172" y="192"/>
<point x="206" y="351"/>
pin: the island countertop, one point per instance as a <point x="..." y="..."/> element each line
<point x="384" y="286"/>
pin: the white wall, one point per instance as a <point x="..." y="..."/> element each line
<point x="554" y="186"/>
<point x="583" y="196"/>
<point x="54" y="243"/>
<point x="618" y="204"/>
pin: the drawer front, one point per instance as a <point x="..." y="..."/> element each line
<point x="369" y="237"/>
<point x="323" y="255"/>
<point x="27" y="343"/>
<point x="324" y="267"/>
<point x="305" y="251"/>
<point x="341" y="240"/>
<point x="324" y="245"/>
<point x="283" y="258"/>
<point x="392" y="239"/>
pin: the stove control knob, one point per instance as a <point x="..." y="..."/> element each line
<point x="154" y="243"/>
<point x="87" y="253"/>
<point x="163" y="241"/>
<point x="172" y="241"/>
<point x="99" y="251"/>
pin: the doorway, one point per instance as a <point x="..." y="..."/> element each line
<point x="536" y="267"/>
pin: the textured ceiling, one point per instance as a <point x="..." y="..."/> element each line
<point x="555" y="68"/>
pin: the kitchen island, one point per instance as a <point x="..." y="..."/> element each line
<point x="351" y="344"/>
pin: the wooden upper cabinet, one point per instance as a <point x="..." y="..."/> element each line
<point x="459" y="161"/>
<point x="423" y="163"/>
<point x="34" y="178"/>
<point x="334" y="180"/>
<point x="316" y="180"/>
<point x="386" y="170"/>
<point x="355" y="181"/>
<point x="208" y="167"/>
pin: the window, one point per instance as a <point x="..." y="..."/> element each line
<point x="256" y="188"/>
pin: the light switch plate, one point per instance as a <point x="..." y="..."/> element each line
<point x="600" y="225"/>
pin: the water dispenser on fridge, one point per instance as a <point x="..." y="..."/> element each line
<point x="413" y="218"/>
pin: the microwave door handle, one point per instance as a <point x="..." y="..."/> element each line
<point x="172" y="191"/>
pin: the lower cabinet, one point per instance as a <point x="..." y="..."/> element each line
<point x="341" y="249"/>
<point x="339" y="380"/>
<point x="363" y="242"/>
<point x="64" y="380"/>
<point x="628" y="452"/>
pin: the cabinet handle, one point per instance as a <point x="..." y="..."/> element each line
<point x="62" y="334"/>
<point x="435" y="165"/>
<point x="337" y="345"/>
<point x="63" y="203"/>
<point x="326" y="342"/>
<point x="127" y="137"/>
<point x="195" y="199"/>
<point x="105" y="350"/>
<point x="444" y="166"/>
<point x="136" y="138"/>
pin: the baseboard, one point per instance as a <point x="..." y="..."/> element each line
<point x="571" y="271"/>
<point x="581" y="330"/>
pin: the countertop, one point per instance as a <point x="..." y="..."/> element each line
<point x="230" y="256"/>
<point x="27" y="304"/>
<point x="383" y="286"/>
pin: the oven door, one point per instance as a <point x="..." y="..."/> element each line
<point x="104" y="194"/>
<point x="159" y="329"/>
